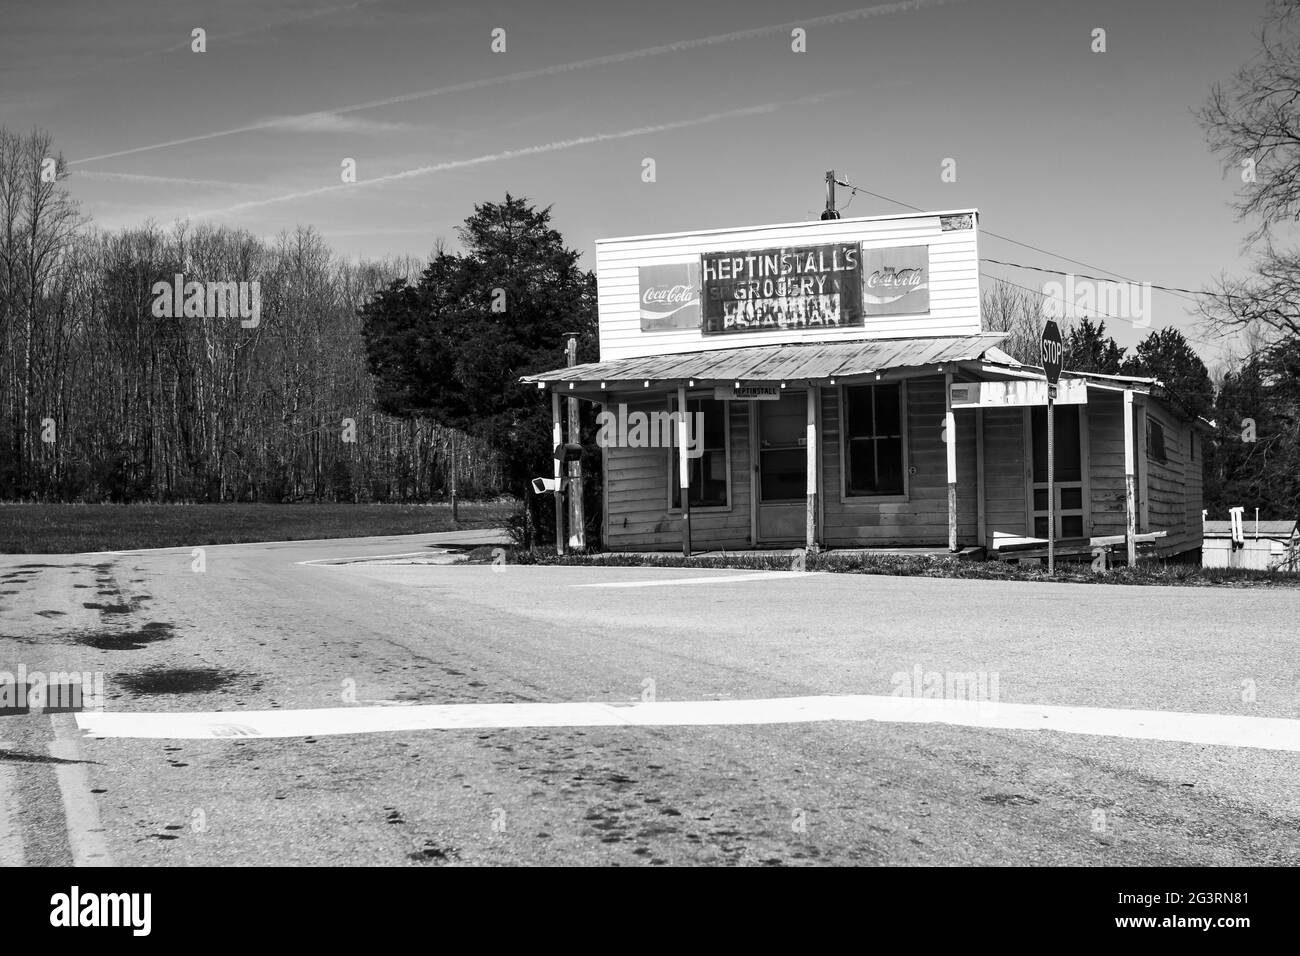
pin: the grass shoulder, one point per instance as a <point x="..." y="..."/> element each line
<point x="1147" y="572"/>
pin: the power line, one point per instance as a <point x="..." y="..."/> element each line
<point x="1117" y="318"/>
<point x="1047" y="252"/>
<point x="1162" y="288"/>
<point x="1038" y="292"/>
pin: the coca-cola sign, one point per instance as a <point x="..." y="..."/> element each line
<point x="670" y="296"/>
<point x="896" y="281"/>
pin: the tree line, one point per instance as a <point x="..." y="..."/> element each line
<point x="103" y="399"/>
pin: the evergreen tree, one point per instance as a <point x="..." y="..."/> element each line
<point x="453" y="346"/>
<point x="1087" y="348"/>
<point x="1167" y="356"/>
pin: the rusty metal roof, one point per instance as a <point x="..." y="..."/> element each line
<point x="778" y="363"/>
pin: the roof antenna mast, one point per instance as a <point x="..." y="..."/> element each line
<point x="830" y="212"/>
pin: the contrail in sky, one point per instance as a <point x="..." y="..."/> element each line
<point x="216" y="38"/>
<point x="758" y="110"/>
<point x="679" y="46"/>
<point x="163" y="180"/>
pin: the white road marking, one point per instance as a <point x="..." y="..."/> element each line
<point x="324" y="562"/>
<point x="455" y="538"/>
<point x="85" y="832"/>
<point x="11" y="834"/>
<point x="711" y="579"/>
<point x="1227" y="730"/>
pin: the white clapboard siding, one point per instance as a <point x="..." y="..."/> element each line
<point x="953" y="280"/>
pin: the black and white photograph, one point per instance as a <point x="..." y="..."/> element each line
<point x="691" y="435"/>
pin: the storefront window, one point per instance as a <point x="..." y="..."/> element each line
<point x="708" y="470"/>
<point x="873" y="440"/>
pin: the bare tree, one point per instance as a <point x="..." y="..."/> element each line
<point x="1019" y="312"/>
<point x="38" y="223"/>
<point x="1253" y="123"/>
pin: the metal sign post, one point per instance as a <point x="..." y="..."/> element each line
<point x="1051" y="357"/>
<point x="1051" y="480"/>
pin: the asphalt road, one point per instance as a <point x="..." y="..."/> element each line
<point x="293" y="626"/>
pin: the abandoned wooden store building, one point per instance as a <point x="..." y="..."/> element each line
<point x="843" y="392"/>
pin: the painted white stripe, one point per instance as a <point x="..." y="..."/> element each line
<point x="85" y="833"/>
<point x="11" y="834"/>
<point x="710" y="579"/>
<point x="1267" y="733"/>
<point x="456" y="538"/>
<point x="324" y="562"/>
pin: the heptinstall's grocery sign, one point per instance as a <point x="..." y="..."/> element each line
<point x="896" y="281"/>
<point x="670" y="296"/>
<point x="791" y="287"/>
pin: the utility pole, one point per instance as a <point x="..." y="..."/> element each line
<point x="830" y="212"/>
<point x="577" y="520"/>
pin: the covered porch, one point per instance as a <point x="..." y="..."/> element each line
<point x="847" y="446"/>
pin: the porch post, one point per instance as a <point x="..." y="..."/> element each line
<point x="577" y="512"/>
<point x="684" y="467"/>
<point x="557" y="439"/>
<point x="810" y="530"/>
<point x="1130" y="482"/>
<point x="982" y="518"/>
<point x="950" y="430"/>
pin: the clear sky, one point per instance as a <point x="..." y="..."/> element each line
<point x="1094" y="156"/>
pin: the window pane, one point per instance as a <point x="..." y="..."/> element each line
<point x="1072" y="526"/>
<point x="783" y="424"/>
<point x="861" y="478"/>
<point x="1071" y="499"/>
<point x="715" y="421"/>
<point x="1040" y="499"/>
<point x="889" y="461"/>
<point x="858" y="411"/>
<point x="1155" y="441"/>
<point x="1040" y="526"/>
<point x="887" y="417"/>
<point x="709" y="479"/>
<point x="783" y="475"/>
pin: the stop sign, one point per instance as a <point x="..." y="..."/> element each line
<point x="1051" y="352"/>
